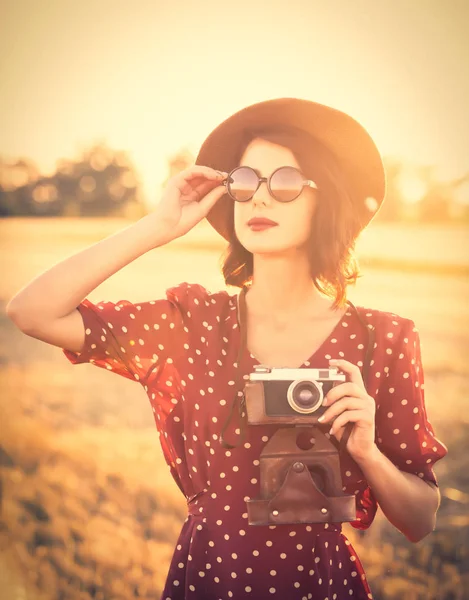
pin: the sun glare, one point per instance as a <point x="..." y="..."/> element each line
<point x="412" y="187"/>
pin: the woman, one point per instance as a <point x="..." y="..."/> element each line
<point x="324" y="181"/>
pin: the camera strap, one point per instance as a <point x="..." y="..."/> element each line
<point x="240" y="401"/>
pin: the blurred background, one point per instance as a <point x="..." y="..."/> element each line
<point x="101" y="102"/>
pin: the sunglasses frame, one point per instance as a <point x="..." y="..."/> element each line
<point x="260" y="180"/>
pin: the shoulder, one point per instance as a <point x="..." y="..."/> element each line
<point x="198" y="297"/>
<point x="395" y="328"/>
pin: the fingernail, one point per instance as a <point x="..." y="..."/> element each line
<point x="324" y="402"/>
<point x="331" y="430"/>
<point x="321" y="418"/>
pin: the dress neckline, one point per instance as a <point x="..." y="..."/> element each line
<point x="312" y="357"/>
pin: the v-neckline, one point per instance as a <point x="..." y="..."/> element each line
<point x="311" y="358"/>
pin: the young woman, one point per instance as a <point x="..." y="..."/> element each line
<point x="314" y="177"/>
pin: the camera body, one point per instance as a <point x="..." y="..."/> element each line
<point x="283" y="396"/>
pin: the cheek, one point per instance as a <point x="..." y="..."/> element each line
<point x="301" y="219"/>
<point x="240" y="216"/>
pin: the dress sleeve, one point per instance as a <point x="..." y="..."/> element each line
<point x="133" y="339"/>
<point x="404" y="433"/>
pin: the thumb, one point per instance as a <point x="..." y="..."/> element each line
<point x="210" y="199"/>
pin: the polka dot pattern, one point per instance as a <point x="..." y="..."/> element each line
<point x="182" y="349"/>
<point x="412" y="445"/>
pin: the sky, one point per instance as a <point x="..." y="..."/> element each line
<point x="151" y="77"/>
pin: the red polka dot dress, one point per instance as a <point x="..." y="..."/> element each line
<point x="182" y="349"/>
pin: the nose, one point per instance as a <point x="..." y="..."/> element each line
<point x="262" y="195"/>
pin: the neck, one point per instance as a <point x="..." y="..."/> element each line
<point x="282" y="287"/>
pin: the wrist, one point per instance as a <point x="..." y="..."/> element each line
<point x="372" y="457"/>
<point x="156" y="230"/>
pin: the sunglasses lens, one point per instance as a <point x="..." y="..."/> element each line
<point x="242" y="184"/>
<point x="286" y="184"/>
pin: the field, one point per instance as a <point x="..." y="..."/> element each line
<point x="89" y="508"/>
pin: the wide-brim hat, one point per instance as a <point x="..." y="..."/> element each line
<point x="352" y="146"/>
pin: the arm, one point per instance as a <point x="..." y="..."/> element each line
<point x="392" y="440"/>
<point x="407" y="501"/>
<point x="55" y="293"/>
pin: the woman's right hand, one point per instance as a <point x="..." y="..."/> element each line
<point x="188" y="198"/>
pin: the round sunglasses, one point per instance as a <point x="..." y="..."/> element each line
<point x="285" y="184"/>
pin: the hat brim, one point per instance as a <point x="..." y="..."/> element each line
<point x="354" y="150"/>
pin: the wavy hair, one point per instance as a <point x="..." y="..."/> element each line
<point x="335" y="224"/>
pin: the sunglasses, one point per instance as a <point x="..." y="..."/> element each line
<point x="285" y="184"/>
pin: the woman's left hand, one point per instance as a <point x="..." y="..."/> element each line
<point x="350" y="402"/>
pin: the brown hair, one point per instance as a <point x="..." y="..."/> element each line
<point x="335" y="224"/>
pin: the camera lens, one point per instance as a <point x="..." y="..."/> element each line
<point x="304" y="396"/>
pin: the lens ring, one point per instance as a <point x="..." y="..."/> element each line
<point x="291" y="398"/>
<point x="289" y="183"/>
<point x="246" y="184"/>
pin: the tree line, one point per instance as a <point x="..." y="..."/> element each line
<point x="103" y="182"/>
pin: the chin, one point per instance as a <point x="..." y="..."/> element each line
<point x="266" y="246"/>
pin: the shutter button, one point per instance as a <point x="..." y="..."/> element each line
<point x="324" y="510"/>
<point x="298" y="467"/>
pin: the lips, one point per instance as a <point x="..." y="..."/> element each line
<point x="261" y="221"/>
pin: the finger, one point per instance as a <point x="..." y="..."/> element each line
<point x="205" y="187"/>
<point x="347" y="403"/>
<point x="197" y="188"/>
<point x="361" y="418"/>
<point x="210" y="199"/>
<point x="343" y="389"/>
<point x="200" y="171"/>
<point x="353" y="371"/>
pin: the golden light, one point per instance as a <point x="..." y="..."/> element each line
<point x="100" y="159"/>
<point x="45" y="193"/>
<point x="116" y="190"/>
<point x="412" y="187"/>
<point x="65" y="166"/>
<point x="461" y="193"/>
<point x="88" y="183"/>
<point x="128" y="180"/>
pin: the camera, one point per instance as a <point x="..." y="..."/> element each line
<point x="288" y="396"/>
<point x="300" y="472"/>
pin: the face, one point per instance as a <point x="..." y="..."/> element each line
<point x="294" y="218"/>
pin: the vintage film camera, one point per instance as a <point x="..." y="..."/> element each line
<point x="300" y="479"/>
<point x="288" y="396"/>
